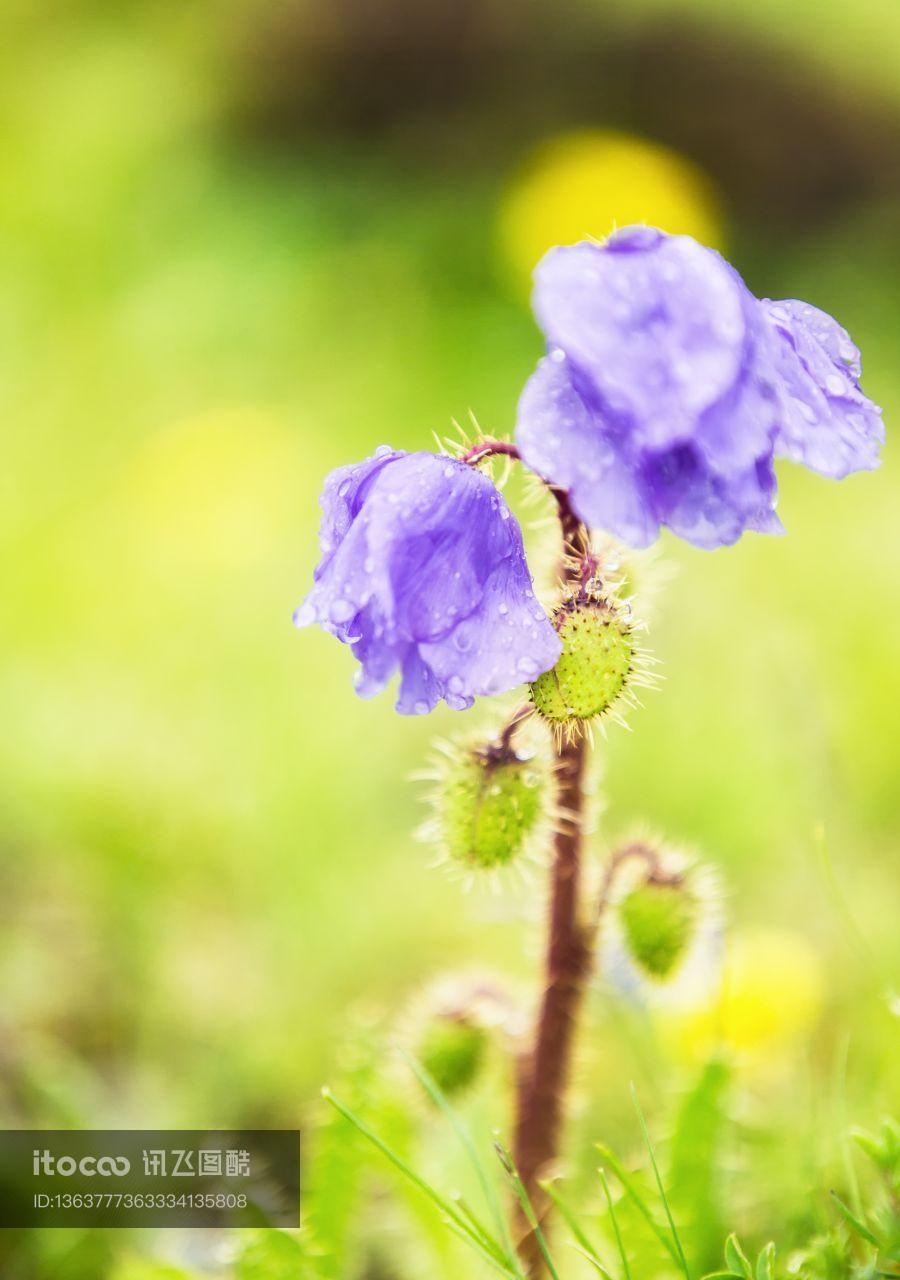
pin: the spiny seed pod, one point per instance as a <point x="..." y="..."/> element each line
<point x="452" y="1050"/>
<point x="489" y="803"/>
<point x="659" y="919"/>
<point x="598" y="662"/>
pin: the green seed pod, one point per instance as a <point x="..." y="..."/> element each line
<point x="489" y="804"/>
<point x="452" y="1050"/>
<point x="658" y="921"/>
<point x="595" y="666"/>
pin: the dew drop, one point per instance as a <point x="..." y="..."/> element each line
<point x="341" y="611"/>
<point x="305" y="616"/>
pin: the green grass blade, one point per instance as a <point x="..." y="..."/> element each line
<point x="488" y="1241"/>
<point x="857" y="1225"/>
<point x="620" y="1244"/>
<point x="595" y="1262"/>
<point x="637" y="1199"/>
<point x="527" y="1207"/>
<point x="449" y="1210"/>
<point x="568" y="1216"/>
<point x="439" y="1098"/>
<point x="484" y="1253"/>
<point x="682" y="1260"/>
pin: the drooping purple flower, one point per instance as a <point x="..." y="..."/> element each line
<point x="669" y="390"/>
<point x="423" y="571"/>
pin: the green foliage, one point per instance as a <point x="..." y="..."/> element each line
<point x="738" y="1265"/>
<point x="695" y="1163"/>
<point x="275" y="1255"/>
<point x="136" y="1268"/>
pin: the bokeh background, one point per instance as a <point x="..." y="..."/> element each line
<point x="243" y="243"/>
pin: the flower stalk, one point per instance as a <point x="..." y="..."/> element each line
<point x="544" y="1073"/>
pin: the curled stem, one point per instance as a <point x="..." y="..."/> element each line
<point x="575" y="536"/>
<point x="637" y="850"/>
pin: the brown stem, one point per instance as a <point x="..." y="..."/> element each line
<point x="546" y="1070"/>
<point x="544" y="1073"/>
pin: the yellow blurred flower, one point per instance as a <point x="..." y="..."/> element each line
<point x="590" y="182"/>
<point x="766" y="1002"/>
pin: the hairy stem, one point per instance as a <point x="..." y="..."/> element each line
<point x="545" y="1073"/>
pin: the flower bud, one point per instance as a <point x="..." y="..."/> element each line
<point x="597" y="662"/>
<point x="452" y="1049"/>
<point x="658" y="920"/>
<point x="489" y="803"/>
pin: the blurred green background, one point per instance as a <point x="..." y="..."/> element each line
<point x="241" y="244"/>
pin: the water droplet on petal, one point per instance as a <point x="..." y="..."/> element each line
<point x="455" y="684"/>
<point x="305" y="616"/>
<point x="421" y="708"/>
<point x="341" y="611"/>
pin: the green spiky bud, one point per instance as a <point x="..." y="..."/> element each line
<point x="595" y="665"/>
<point x="658" y="920"/>
<point x="490" y="803"/>
<point x="452" y="1051"/>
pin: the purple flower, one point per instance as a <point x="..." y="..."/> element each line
<point x="669" y="390"/>
<point x="423" y="571"/>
